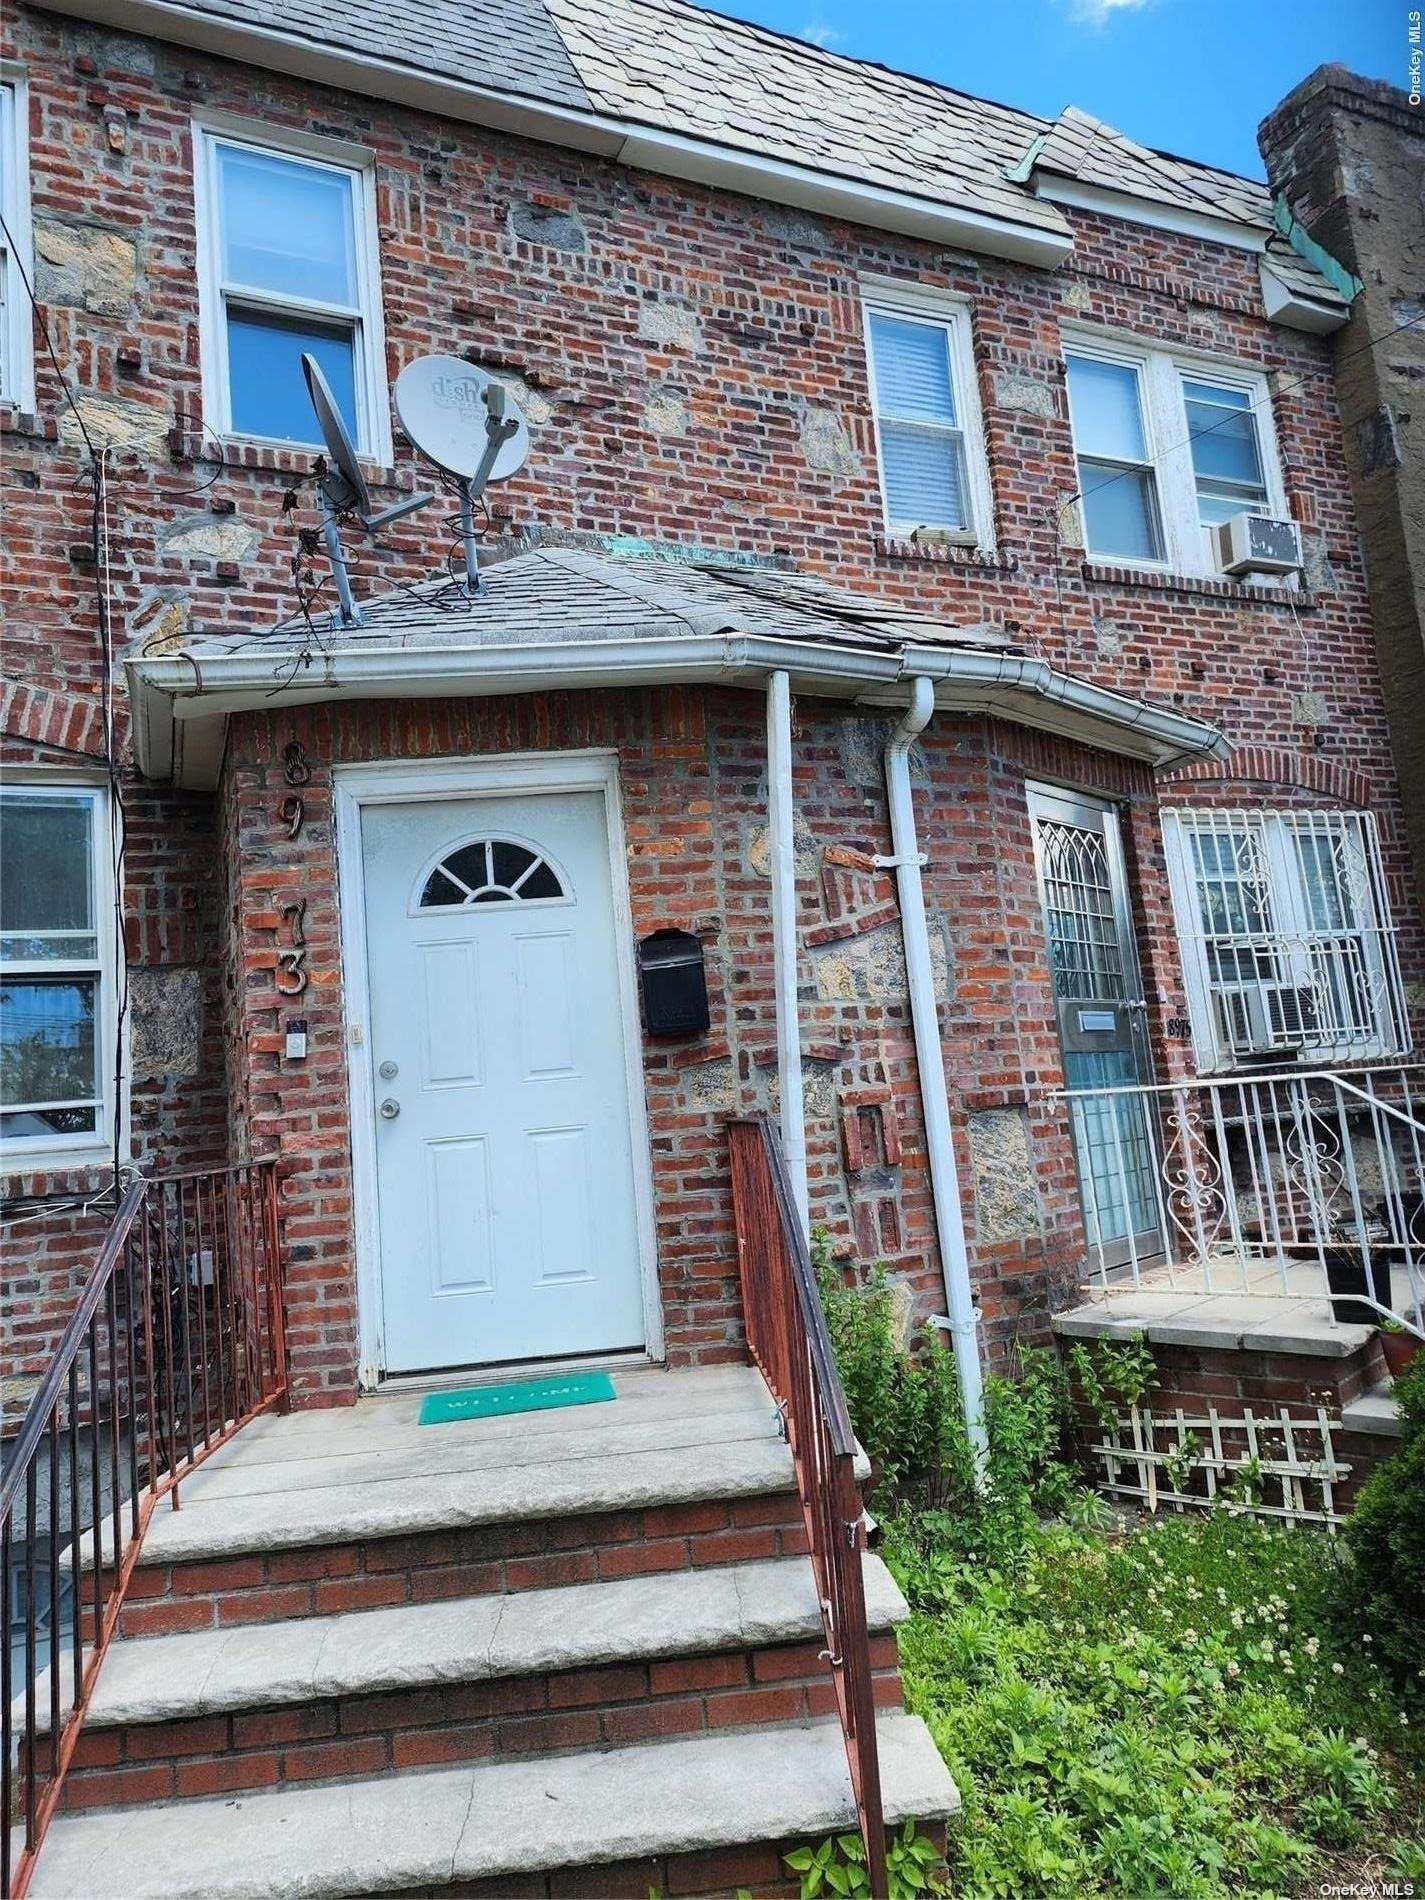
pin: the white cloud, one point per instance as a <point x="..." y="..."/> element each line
<point x="1098" y="13"/>
<point x="820" y="33"/>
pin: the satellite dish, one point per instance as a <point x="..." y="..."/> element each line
<point x="446" y="407"/>
<point x="340" y="448"/>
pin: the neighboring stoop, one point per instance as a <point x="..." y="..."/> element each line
<point x="365" y="1657"/>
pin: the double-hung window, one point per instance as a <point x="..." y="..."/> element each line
<point x="1118" y="485"/>
<point x="16" y="323"/>
<point x="1287" y="940"/>
<point x="1226" y="450"/>
<point x="289" y="250"/>
<point x="1167" y="448"/>
<point x="57" y="1004"/>
<point x="928" y="435"/>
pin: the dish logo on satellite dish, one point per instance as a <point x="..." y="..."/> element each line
<point x="464" y="394"/>
<point x="461" y="418"/>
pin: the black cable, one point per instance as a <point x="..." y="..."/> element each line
<point x="45" y="333"/>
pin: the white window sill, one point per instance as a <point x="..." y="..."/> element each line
<point x="17" y="1164"/>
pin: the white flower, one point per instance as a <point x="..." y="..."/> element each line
<point x="1338" y="1669"/>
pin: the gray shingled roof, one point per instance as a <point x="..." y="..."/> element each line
<point x="570" y="595"/>
<point x="1080" y="147"/>
<point x="510" y="46"/>
<point x="680" y="68"/>
<point x="670" y="67"/>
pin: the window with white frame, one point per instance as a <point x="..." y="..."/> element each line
<point x="1167" y="448"/>
<point x="928" y="435"/>
<point x="1287" y="941"/>
<point x="288" y="245"/>
<point x="16" y="322"/>
<point x="57" y="1004"/>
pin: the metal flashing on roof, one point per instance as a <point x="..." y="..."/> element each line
<point x="1301" y="241"/>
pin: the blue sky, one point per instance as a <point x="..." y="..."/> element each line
<point x="1187" y="76"/>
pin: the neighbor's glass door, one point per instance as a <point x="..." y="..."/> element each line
<point x="1098" y="996"/>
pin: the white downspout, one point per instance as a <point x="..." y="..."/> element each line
<point x="962" y="1323"/>
<point x="784" y="936"/>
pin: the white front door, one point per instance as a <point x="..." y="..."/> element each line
<point x="504" y="1164"/>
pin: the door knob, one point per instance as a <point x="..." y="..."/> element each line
<point x="390" y="1109"/>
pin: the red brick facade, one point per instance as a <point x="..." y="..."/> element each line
<point x="702" y="431"/>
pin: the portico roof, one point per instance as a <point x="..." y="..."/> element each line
<point x="578" y="618"/>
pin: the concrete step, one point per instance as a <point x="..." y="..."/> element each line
<point x="687" y="1801"/>
<point x="369" y="1572"/>
<point x="1375" y="1414"/>
<point x="682" y="1612"/>
<point x="427" y="1684"/>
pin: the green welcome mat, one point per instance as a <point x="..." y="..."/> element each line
<point x="528" y="1395"/>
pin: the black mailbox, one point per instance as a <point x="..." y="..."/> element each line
<point x="675" y="984"/>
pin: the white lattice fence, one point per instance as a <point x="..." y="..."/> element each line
<point x="1280" y="1466"/>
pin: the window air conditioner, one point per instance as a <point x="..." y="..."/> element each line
<point x="1257" y="544"/>
<point x="1276" y="1016"/>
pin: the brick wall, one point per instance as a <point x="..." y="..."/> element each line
<point x="1346" y="151"/>
<point x="693" y="366"/>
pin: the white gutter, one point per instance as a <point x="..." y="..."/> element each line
<point x="1158" y="213"/>
<point x="782" y="851"/>
<point x="962" y="1322"/>
<point x="646" y="148"/>
<point x="181" y="701"/>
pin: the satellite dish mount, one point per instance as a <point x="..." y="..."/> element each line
<point x="469" y="426"/>
<point x="459" y="417"/>
<point x="343" y="488"/>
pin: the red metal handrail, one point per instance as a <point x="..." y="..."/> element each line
<point x="176" y="1343"/>
<point x="786" y="1332"/>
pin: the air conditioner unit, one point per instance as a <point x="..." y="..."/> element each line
<point x="1257" y="544"/>
<point x="1275" y="1016"/>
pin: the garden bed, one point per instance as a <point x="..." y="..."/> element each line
<point x="1191" y="1703"/>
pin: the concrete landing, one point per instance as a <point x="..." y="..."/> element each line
<point x="369" y="1470"/>
<point x="1376" y="1414"/>
<point x="1256" y="1306"/>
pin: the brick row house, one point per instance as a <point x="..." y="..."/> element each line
<point x="920" y="687"/>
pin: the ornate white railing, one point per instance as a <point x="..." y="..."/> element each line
<point x="1302" y="1183"/>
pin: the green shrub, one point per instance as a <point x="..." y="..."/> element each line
<point x="1383" y="1590"/>
<point x="905" y="1409"/>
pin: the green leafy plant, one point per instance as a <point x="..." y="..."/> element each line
<point x="1190" y="1707"/>
<point x="838" y="1865"/>
<point x="1383" y="1589"/>
<point x="1113" y="1376"/>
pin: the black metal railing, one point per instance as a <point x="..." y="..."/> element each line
<point x="176" y="1342"/>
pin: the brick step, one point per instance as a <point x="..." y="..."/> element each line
<point x="560" y="1823"/>
<point x="534" y="1553"/>
<point x="511" y="1718"/>
<point x="589" y="1665"/>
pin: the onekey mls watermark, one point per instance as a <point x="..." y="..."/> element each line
<point x="1413" y="51"/>
<point x="1367" y="1889"/>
